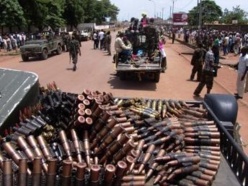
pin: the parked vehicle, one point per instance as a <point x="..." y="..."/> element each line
<point x="84" y="35"/>
<point x="41" y="48"/>
<point x="140" y="66"/>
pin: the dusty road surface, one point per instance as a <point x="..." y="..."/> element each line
<point x="97" y="72"/>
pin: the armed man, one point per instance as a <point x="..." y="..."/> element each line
<point x="152" y="38"/>
<point x="74" y="51"/>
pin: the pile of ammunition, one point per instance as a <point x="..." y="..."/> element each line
<point x="95" y="139"/>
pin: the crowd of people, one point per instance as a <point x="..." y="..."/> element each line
<point x="205" y="60"/>
<point x="228" y="41"/>
<point x="9" y="42"/>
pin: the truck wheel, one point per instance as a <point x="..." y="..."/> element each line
<point x="59" y="49"/>
<point x="157" y="77"/>
<point x="24" y="58"/>
<point x="44" y="54"/>
<point x="224" y="106"/>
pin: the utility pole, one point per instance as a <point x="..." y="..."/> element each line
<point x="200" y="14"/>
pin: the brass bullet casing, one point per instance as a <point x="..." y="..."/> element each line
<point x="95" y="174"/>
<point x="114" y="147"/>
<point x="44" y="146"/>
<point x="37" y="171"/>
<point x="86" y="146"/>
<point x="33" y="143"/>
<point x="80" y="121"/>
<point x="94" y="107"/>
<point x="52" y="166"/>
<point x="66" y="173"/>
<point x="52" y="172"/>
<point x="155" y="164"/>
<point x="7" y="173"/>
<point x="65" y="144"/>
<point x="105" y="114"/>
<point x="131" y="178"/>
<point x="124" y="151"/>
<point x="133" y="183"/>
<point x="88" y="112"/>
<point x="67" y="168"/>
<point x="79" y="112"/>
<point x="25" y="147"/>
<point x="97" y="111"/>
<point x="146" y="158"/>
<point x="88" y="122"/>
<point x="121" y="168"/>
<point x="8" y="147"/>
<point x="129" y="161"/>
<point x="86" y="102"/>
<point x="80" y="99"/>
<point x="109" y="138"/>
<point x="109" y="174"/>
<point x="86" y="92"/>
<point x="76" y="145"/>
<point x="23" y="172"/>
<point x="81" y="169"/>
<point x="80" y="106"/>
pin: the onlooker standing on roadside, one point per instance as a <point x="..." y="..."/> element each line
<point x="197" y="62"/>
<point x="108" y="39"/>
<point x="173" y="36"/>
<point x="101" y="39"/>
<point x="95" y="40"/>
<point x="216" y="51"/>
<point x="242" y="72"/>
<point x="207" y="77"/>
<point x="161" y="44"/>
<point x="225" y="44"/>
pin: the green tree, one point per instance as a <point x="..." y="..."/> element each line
<point x="210" y="12"/>
<point x="74" y="13"/>
<point x="11" y="14"/>
<point x="43" y="13"/>
<point x="96" y="11"/>
<point x="236" y="14"/>
<point x="55" y="18"/>
<point x="35" y="13"/>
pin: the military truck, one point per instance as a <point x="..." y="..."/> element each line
<point x="41" y="48"/>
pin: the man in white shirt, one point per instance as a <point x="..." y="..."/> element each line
<point x="242" y="72"/>
<point x="101" y="38"/>
<point x="121" y="48"/>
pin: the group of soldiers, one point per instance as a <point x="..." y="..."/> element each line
<point x="144" y="35"/>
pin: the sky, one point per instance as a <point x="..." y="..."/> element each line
<point x="163" y="8"/>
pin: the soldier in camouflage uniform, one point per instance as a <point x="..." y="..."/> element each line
<point x="74" y="51"/>
<point x="152" y="38"/>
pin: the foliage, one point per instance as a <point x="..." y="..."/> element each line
<point x="210" y="13"/>
<point x="74" y="12"/>
<point x="11" y="14"/>
<point x="54" y="13"/>
<point x="236" y="14"/>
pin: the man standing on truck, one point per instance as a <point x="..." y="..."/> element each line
<point x="74" y="51"/>
<point x="152" y="38"/>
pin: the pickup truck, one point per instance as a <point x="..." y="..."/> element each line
<point x="41" y="48"/>
<point x="140" y="66"/>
